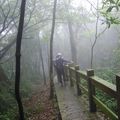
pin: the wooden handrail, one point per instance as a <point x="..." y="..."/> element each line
<point x="95" y="82"/>
<point x="83" y="74"/>
<point x="104" y="85"/>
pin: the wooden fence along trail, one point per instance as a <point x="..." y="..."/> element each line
<point x="75" y="76"/>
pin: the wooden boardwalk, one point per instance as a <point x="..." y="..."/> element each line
<point x="71" y="107"/>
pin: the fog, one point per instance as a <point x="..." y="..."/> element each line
<point x="75" y="31"/>
<point x="87" y="33"/>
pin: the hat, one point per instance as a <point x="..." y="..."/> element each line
<point x="59" y="55"/>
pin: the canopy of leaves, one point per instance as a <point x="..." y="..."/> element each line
<point x="110" y="11"/>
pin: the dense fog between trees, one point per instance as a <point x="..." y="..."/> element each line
<point x="83" y="34"/>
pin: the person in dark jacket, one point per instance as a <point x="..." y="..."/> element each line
<point x="59" y="67"/>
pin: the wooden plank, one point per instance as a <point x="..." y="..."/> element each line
<point x="70" y="74"/>
<point x="77" y="80"/>
<point x="72" y="68"/>
<point x="91" y="91"/>
<point x="82" y="74"/>
<point x="74" y="80"/>
<point x="104" y="85"/>
<point x="73" y="74"/>
<point x="105" y="109"/>
<point x="85" y="89"/>
<point x="66" y="72"/>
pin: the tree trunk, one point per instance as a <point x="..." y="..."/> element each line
<point x="71" y="36"/>
<point x="43" y="69"/>
<point x="72" y="42"/>
<point x="95" y="40"/>
<point x="51" y="52"/>
<point x="18" y="55"/>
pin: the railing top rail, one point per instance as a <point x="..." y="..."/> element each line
<point x="82" y="74"/>
<point x="72" y="68"/>
<point x="93" y="81"/>
<point x="104" y="85"/>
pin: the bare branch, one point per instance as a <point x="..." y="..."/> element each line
<point x="7" y="60"/>
<point x="5" y="49"/>
<point x="5" y="26"/>
<point x="2" y="10"/>
<point x="43" y="20"/>
<point x="31" y="13"/>
<point x="6" y="33"/>
<point x="92" y="5"/>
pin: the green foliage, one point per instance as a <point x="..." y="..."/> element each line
<point x="10" y="114"/>
<point x="116" y="59"/>
<point x="6" y="98"/>
<point x="26" y="88"/>
<point x="4" y="117"/>
<point x="109" y="11"/>
<point x="106" y="74"/>
<point x="107" y="100"/>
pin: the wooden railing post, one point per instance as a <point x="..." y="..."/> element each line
<point x="66" y="72"/>
<point x="118" y="95"/>
<point x="77" y="80"/>
<point x="70" y="74"/>
<point x="91" y="91"/>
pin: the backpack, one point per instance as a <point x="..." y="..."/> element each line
<point x="59" y="64"/>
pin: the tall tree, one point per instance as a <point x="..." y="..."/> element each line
<point x="72" y="42"/>
<point x="42" y="61"/>
<point x="18" y="55"/>
<point x="97" y="35"/>
<point x="51" y="51"/>
<point x="71" y="32"/>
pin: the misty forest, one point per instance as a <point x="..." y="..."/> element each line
<point x="34" y="35"/>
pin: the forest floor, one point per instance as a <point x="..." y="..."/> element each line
<point x="39" y="106"/>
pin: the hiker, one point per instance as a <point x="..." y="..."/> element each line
<point x="59" y="67"/>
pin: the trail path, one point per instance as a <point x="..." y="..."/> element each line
<point x="73" y="107"/>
